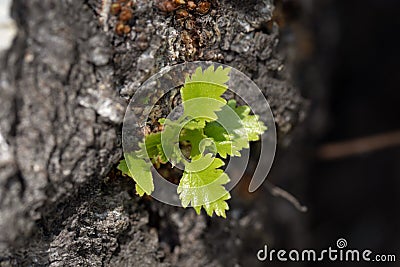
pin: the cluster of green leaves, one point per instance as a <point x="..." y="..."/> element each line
<point x="212" y="127"/>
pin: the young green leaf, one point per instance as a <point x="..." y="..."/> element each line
<point x="227" y="144"/>
<point x="237" y="131"/>
<point x="195" y="124"/>
<point x="254" y="127"/>
<point x="194" y="137"/>
<point x="201" y="94"/>
<point x="139" y="171"/>
<point x="152" y="149"/>
<point x="219" y="76"/>
<point x="123" y="167"/>
<point x="205" y="188"/>
<point x="214" y="127"/>
<point x="170" y="141"/>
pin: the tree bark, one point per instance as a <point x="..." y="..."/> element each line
<point x="64" y="87"/>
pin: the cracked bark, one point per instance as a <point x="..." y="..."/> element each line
<point x="64" y="87"/>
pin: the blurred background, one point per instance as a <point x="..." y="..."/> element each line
<point x="349" y="151"/>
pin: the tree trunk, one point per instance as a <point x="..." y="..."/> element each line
<point x="64" y="85"/>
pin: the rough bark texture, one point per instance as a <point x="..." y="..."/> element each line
<point x="64" y="87"/>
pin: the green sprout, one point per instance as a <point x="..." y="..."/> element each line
<point x="212" y="128"/>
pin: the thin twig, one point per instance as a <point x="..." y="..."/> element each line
<point x="358" y="145"/>
<point x="279" y="192"/>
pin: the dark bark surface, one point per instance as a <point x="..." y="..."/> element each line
<point x="64" y="88"/>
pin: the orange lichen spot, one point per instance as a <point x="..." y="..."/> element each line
<point x="115" y="8"/>
<point x="179" y="2"/>
<point x="182" y="13"/>
<point x="191" y="5"/>
<point x="127" y="29"/>
<point x="167" y="6"/>
<point x="120" y="28"/>
<point x="126" y="14"/>
<point x="203" y="7"/>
